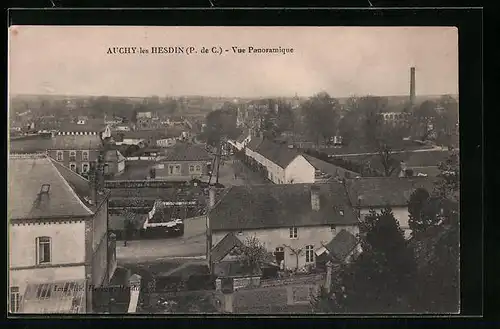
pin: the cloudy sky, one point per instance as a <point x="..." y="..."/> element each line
<point x="340" y="60"/>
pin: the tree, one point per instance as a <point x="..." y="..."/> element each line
<point x="253" y="253"/>
<point x="129" y="216"/>
<point x="448" y="185"/>
<point x="416" y="204"/>
<point x="386" y="158"/>
<point x="220" y="124"/>
<point x="297" y="252"/>
<point x="321" y="116"/>
<point x="380" y="278"/>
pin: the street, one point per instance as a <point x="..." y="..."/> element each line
<point x="244" y="176"/>
<point x="191" y="245"/>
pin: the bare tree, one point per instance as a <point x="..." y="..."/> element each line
<point x="297" y="252"/>
<point x="386" y="156"/>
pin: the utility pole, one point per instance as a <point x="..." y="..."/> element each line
<point x="218" y="157"/>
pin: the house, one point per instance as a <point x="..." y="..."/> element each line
<point x="85" y="127"/>
<point x="76" y="152"/>
<point x="59" y="248"/>
<point x="283" y="165"/>
<point x="166" y="142"/>
<point x="148" y="138"/>
<point x="376" y="193"/>
<point x="242" y="141"/>
<point x="114" y="163"/>
<point x="184" y="162"/>
<point x="292" y="221"/>
<point x="326" y="171"/>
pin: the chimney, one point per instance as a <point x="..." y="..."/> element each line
<point x="412" y="86"/>
<point x="315" y="198"/>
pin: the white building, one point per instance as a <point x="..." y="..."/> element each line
<point x="58" y="239"/>
<point x="376" y="193"/>
<point x="296" y="223"/>
<point x="284" y="166"/>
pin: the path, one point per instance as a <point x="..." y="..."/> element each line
<point x="435" y="148"/>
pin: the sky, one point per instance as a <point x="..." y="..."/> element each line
<point x="343" y="61"/>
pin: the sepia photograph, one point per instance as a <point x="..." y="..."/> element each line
<point x="233" y="170"/>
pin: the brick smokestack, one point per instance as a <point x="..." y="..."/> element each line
<point x="412" y="85"/>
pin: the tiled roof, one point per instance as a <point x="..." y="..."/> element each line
<point x="284" y="205"/>
<point x="187" y="152"/>
<point x="26" y="177"/>
<point x="326" y="167"/>
<point x="279" y="154"/>
<point x="89" y="126"/>
<point x="30" y="145"/>
<point x="76" y="142"/>
<point x="342" y="244"/>
<point x="224" y="246"/>
<point x="385" y="191"/>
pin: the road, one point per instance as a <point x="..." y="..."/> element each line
<point x="244" y="176"/>
<point x="433" y="149"/>
<point x="190" y="246"/>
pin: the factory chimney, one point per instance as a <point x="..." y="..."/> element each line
<point x="412" y="86"/>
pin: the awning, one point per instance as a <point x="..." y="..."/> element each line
<point x="55" y="297"/>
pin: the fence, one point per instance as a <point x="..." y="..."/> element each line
<point x="303" y="279"/>
<point x="144" y="158"/>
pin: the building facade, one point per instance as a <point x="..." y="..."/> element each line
<point x="293" y="222"/>
<point x="58" y="237"/>
<point x="283" y="165"/>
<point x="184" y="162"/>
<point x="76" y="152"/>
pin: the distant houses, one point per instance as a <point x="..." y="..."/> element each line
<point x="184" y="162"/>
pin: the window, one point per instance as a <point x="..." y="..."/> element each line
<point x="72" y="155"/>
<point x="72" y="166"/>
<point x="240" y="233"/>
<point x="43" y="250"/>
<point x="191" y="168"/>
<point x="15" y="299"/>
<point x="60" y="156"/>
<point x="85" y="168"/>
<point x="293" y="233"/>
<point x="106" y="168"/>
<point x="332" y="228"/>
<point x="174" y="169"/>
<point x="198" y="168"/>
<point x="85" y="156"/>
<point x="43" y="292"/>
<point x="309" y="254"/>
<point x="341" y="212"/>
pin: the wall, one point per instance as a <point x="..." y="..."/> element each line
<point x="93" y="154"/>
<point x="300" y="171"/>
<point x="21" y="278"/>
<point x="68" y="243"/>
<point x="280" y="237"/>
<point x="400" y="213"/>
<point x="100" y="245"/>
<point x="163" y="173"/>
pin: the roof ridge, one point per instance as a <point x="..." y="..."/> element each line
<point x="66" y="183"/>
